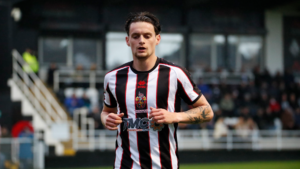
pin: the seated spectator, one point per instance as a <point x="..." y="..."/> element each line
<point x="227" y="105"/>
<point x="51" y="70"/>
<point x="284" y="102"/>
<point x="297" y="118"/>
<point x="269" y="118"/>
<point x="263" y="100"/>
<point x="221" y="129"/>
<point x="4" y="133"/>
<point x="26" y="149"/>
<point x="259" y="119"/>
<point x="205" y="89"/>
<point x="278" y="77"/>
<point x="274" y="107"/>
<point x="86" y="102"/>
<point x="248" y="103"/>
<point x="293" y="102"/>
<point x="73" y="103"/>
<point x="273" y="90"/>
<point x="93" y="67"/>
<point x="287" y="120"/>
<point x="245" y="124"/>
<point x="95" y="114"/>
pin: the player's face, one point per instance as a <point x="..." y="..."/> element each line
<point x="142" y="40"/>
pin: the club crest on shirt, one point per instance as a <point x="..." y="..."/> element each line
<point x="140" y="100"/>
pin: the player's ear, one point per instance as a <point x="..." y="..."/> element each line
<point x="127" y="41"/>
<point x="157" y="39"/>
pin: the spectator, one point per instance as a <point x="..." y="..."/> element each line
<point x="263" y="101"/>
<point x="51" y="70"/>
<point x="221" y="129"/>
<point x="93" y="67"/>
<point x="257" y="76"/>
<point x="293" y="102"/>
<point x="73" y="103"/>
<point x="273" y="90"/>
<point x="30" y="59"/>
<point x="205" y="89"/>
<point x="288" y="77"/>
<point x="287" y="119"/>
<point x="95" y="114"/>
<point x="274" y="107"/>
<point x="248" y="103"/>
<point x="245" y="124"/>
<point x="243" y="89"/>
<point x="284" y="102"/>
<point x="5" y="132"/>
<point x="227" y="105"/>
<point x="259" y="119"/>
<point x="278" y="77"/>
<point x="268" y="119"/>
<point x="26" y="149"/>
<point x="266" y="77"/>
<point x="86" y="102"/>
<point x="297" y="118"/>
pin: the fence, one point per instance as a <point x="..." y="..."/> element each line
<point x="93" y="77"/>
<point x="204" y="140"/>
<point x="22" y="153"/>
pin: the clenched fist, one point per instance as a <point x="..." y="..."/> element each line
<point x="113" y="120"/>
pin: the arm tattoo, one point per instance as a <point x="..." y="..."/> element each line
<point x="203" y="111"/>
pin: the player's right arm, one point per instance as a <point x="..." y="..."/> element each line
<point x="110" y="119"/>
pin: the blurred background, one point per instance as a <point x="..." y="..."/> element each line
<point x="243" y="55"/>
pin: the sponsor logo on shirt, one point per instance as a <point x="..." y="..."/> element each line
<point x="142" y="84"/>
<point x="141" y="124"/>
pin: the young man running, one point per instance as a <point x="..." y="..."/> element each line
<point x="142" y="101"/>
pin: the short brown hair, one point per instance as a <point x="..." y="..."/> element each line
<point x="143" y="17"/>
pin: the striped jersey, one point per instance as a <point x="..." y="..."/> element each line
<point x="141" y="143"/>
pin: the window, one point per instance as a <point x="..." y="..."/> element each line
<point x="117" y="52"/>
<point x="70" y="51"/>
<point x="55" y="50"/>
<point x="85" y="52"/>
<point x="245" y="52"/>
<point x="211" y="52"/>
<point x="171" y="48"/>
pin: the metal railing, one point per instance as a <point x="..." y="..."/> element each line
<point x="22" y="152"/>
<point x="204" y="140"/>
<point x="75" y="76"/>
<point x="87" y="138"/>
<point x="36" y="92"/>
<point x="93" y="77"/>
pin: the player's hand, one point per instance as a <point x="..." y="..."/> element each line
<point x="162" y="116"/>
<point x="113" y="120"/>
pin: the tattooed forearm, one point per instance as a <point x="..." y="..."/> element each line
<point x="203" y="112"/>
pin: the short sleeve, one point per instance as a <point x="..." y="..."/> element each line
<point x="186" y="88"/>
<point x="109" y="99"/>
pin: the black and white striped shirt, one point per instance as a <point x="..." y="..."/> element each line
<point x="141" y="143"/>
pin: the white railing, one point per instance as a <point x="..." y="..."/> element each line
<point x="75" y="76"/>
<point x="93" y="77"/>
<point x="86" y="132"/>
<point x="204" y="140"/>
<point x="228" y="77"/>
<point x="36" y="92"/>
<point x="32" y="150"/>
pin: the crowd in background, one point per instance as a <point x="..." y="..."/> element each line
<point x="255" y="104"/>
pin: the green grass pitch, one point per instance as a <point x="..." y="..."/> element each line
<point x="240" y="165"/>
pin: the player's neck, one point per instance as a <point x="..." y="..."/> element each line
<point x="144" y="64"/>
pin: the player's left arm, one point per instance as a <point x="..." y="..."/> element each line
<point x="202" y="112"/>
